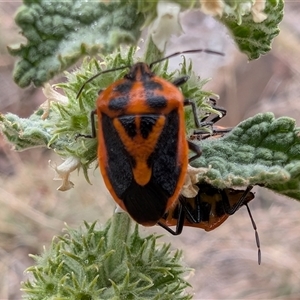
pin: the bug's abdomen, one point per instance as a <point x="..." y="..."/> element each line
<point x="142" y="162"/>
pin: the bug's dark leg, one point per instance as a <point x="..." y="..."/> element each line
<point x="204" y="134"/>
<point x="194" y="110"/>
<point x="215" y="119"/>
<point x="204" y="123"/>
<point x="192" y="146"/>
<point x="213" y="101"/>
<point x="231" y="210"/>
<point x="195" y="148"/>
<point x="215" y="131"/>
<point x="185" y="211"/>
<point x="217" y="108"/>
<point x="219" y="117"/>
<point x="193" y="214"/>
<point x="180" y="222"/>
<point x="93" y="126"/>
<point x="181" y="80"/>
<point x="221" y="130"/>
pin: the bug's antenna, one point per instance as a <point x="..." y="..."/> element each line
<point x="150" y="66"/>
<point x="184" y="52"/>
<point x="256" y="234"/>
<point x="96" y="75"/>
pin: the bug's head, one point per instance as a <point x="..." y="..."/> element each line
<point x="139" y="71"/>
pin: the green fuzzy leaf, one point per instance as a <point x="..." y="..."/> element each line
<point x="94" y="263"/>
<point x="59" y="33"/>
<point x="25" y="133"/>
<point x="261" y="150"/>
<point x="254" y="39"/>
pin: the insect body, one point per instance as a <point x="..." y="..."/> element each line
<point x="143" y="152"/>
<point x="142" y="147"/>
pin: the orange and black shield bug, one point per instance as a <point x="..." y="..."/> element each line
<point x="142" y="147"/>
<point x="208" y="210"/>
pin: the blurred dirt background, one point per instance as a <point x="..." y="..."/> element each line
<point x="225" y="260"/>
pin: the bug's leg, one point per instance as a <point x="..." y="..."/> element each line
<point x="218" y="117"/>
<point x="221" y="130"/>
<point x="193" y="214"/>
<point x="231" y="210"/>
<point x="180" y="222"/>
<point x="195" y="148"/>
<point x="203" y="122"/>
<point x="192" y="146"/>
<point x="185" y="211"/>
<point x="194" y="110"/>
<point x="202" y="134"/>
<point x="181" y="80"/>
<point x="93" y="127"/>
<point x="221" y="110"/>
